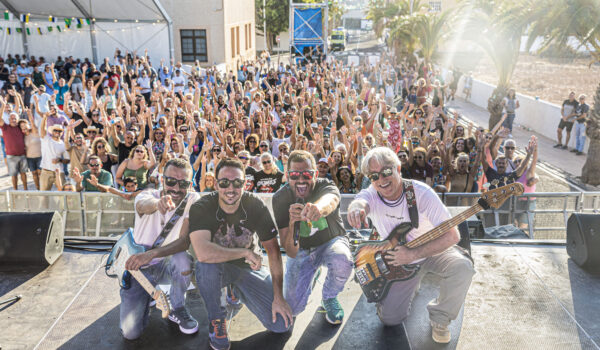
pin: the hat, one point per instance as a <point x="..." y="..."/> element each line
<point x="57" y="126"/>
<point x="323" y="160"/>
<point x="23" y="62"/>
<point x="91" y="128"/>
<point x="393" y="110"/>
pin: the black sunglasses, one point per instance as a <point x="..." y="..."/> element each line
<point x="509" y="147"/>
<point x="237" y="183"/>
<point x="94" y="165"/>
<point x="306" y="174"/>
<point x="171" y="182"/>
<point x="386" y="172"/>
<point x="266" y="162"/>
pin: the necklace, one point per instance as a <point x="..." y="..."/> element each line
<point x="392" y="203"/>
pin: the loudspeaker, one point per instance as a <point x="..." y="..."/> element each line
<point x="583" y="240"/>
<point x="31" y="238"/>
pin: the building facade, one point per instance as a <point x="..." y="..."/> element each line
<point x="213" y="31"/>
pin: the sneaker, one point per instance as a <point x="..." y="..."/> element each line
<point x="564" y="147"/>
<point x="187" y="324"/>
<point x="439" y="333"/>
<point x="574" y="150"/>
<point x="579" y="153"/>
<point x="558" y="145"/>
<point x="231" y="298"/>
<point x="333" y="310"/>
<point x="218" y="335"/>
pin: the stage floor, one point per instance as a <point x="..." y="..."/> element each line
<point x="522" y="297"/>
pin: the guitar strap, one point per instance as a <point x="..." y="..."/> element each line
<point x="411" y="201"/>
<point x="172" y="221"/>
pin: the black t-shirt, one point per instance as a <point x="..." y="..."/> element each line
<point x="324" y="233"/>
<point x="267" y="183"/>
<point x="79" y="128"/>
<point x="250" y="174"/>
<point x="580" y="110"/>
<point x="124" y="150"/>
<point x="237" y="230"/>
<point x="498" y="180"/>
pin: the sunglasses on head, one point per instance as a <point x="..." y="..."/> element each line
<point x="386" y="172"/>
<point x="237" y="183"/>
<point x="171" y="182"/>
<point x="306" y="174"/>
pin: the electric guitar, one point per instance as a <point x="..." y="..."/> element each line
<point x="375" y="275"/>
<point x="115" y="267"/>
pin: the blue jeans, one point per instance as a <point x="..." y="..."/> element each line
<point x="579" y="136"/>
<point x="175" y="270"/>
<point x="253" y="288"/>
<point x="508" y="122"/>
<point x="300" y="271"/>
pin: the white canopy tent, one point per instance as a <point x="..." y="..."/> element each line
<point x="131" y="25"/>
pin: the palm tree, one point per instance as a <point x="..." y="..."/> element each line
<point x="497" y="28"/>
<point x="558" y="23"/>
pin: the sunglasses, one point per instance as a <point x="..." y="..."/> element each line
<point x="263" y="146"/>
<point x="224" y="183"/>
<point x="509" y="147"/>
<point x="243" y="158"/>
<point x="386" y="172"/>
<point x="183" y="130"/>
<point x="266" y="162"/>
<point x="419" y="157"/>
<point x="216" y="150"/>
<point x="94" y="165"/>
<point x="100" y="146"/>
<point x="139" y="151"/>
<point x="306" y="174"/>
<point x="252" y="141"/>
<point x="171" y="182"/>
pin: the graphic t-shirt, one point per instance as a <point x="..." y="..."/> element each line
<point x="237" y="230"/>
<point x="387" y="215"/>
<point x="496" y="179"/>
<point x="315" y="233"/>
<point x="267" y="183"/>
<point x="250" y="174"/>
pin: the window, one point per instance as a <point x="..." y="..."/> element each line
<point x="237" y="39"/>
<point x="435" y="6"/>
<point x="250" y="35"/>
<point x="232" y="42"/>
<point x="246" y="36"/>
<point x="193" y="45"/>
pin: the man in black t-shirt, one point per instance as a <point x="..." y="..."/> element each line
<point x="499" y="177"/>
<point x="269" y="179"/>
<point x="224" y="226"/>
<point x="568" y="116"/>
<point x="581" y="112"/>
<point x="307" y="211"/>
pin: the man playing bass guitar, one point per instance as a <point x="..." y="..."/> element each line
<point x="386" y="202"/>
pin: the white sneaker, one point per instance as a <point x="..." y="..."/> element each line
<point x="439" y="333"/>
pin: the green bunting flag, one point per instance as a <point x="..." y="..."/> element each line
<point x="50" y="29"/>
<point x="87" y="20"/>
<point x="19" y="30"/>
<point x="28" y="32"/>
<point x="79" y="25"/>
<point x="58" y="28"/>
<point x="68" y="22"/>
<point x="6" y="15"/>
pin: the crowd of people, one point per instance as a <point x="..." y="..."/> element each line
<point x="78" y="127"/>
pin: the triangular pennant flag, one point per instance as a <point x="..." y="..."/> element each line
<point x="79" y="22"/>
<point x="87" y="20"/>
<point x="50" y="29"/>
<point x="79" y="25"/>
<point x="58" y="28"/>
<point x="28" y="32"/>
<point x="52" y="19"/>
<point x="25" y="18"/>
<point x="8" y="31"/>
<point x="39" y="30"/>
<point x="68" y="22"/>
<point x="6" y="15"/>
<point x="19" y="30"/>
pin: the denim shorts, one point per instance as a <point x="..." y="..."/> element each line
<point x="16" y="165"/>
<point x="3" y="146"/>
<point x="34" y="163"/>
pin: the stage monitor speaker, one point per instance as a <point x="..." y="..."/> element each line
<point x="583" y="240"/>
<point x="31" y="238"/>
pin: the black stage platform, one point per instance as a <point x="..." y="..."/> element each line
<point x="522" y="297"/>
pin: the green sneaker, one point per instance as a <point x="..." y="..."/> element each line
<point x="333" y="311"/>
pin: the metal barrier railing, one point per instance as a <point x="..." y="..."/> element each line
<point x="103" y="214"/>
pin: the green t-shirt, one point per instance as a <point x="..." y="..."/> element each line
<point x="105" y="178"/>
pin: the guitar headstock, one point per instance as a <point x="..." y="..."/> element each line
<point x="496" y="197"/>
<point x="162" y="303"/>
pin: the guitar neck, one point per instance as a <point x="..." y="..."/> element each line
<point x="442" y="228"/>
<point x="139" y="276"/>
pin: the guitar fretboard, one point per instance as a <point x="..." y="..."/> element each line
<point x="442" y="228"/>
<point x="139" y="276"/>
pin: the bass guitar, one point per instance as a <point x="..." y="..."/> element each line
<point x="375" y="275"/>
<point x="115" y="267"/>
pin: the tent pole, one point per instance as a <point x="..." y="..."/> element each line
<point x="15" y="13"/>
<point x="167" y="18"/>
<point x="92" y="29"/>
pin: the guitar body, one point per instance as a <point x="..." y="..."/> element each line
<point x="373" y="273"/>
<point x="122" y="250"/>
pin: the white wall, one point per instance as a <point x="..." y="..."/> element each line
<point x="538" y="115"/>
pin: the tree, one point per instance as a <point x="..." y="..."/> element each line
<point x="277" y="18"/>
<point x="497" y="29"/>
<point x="556" y="25"/>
